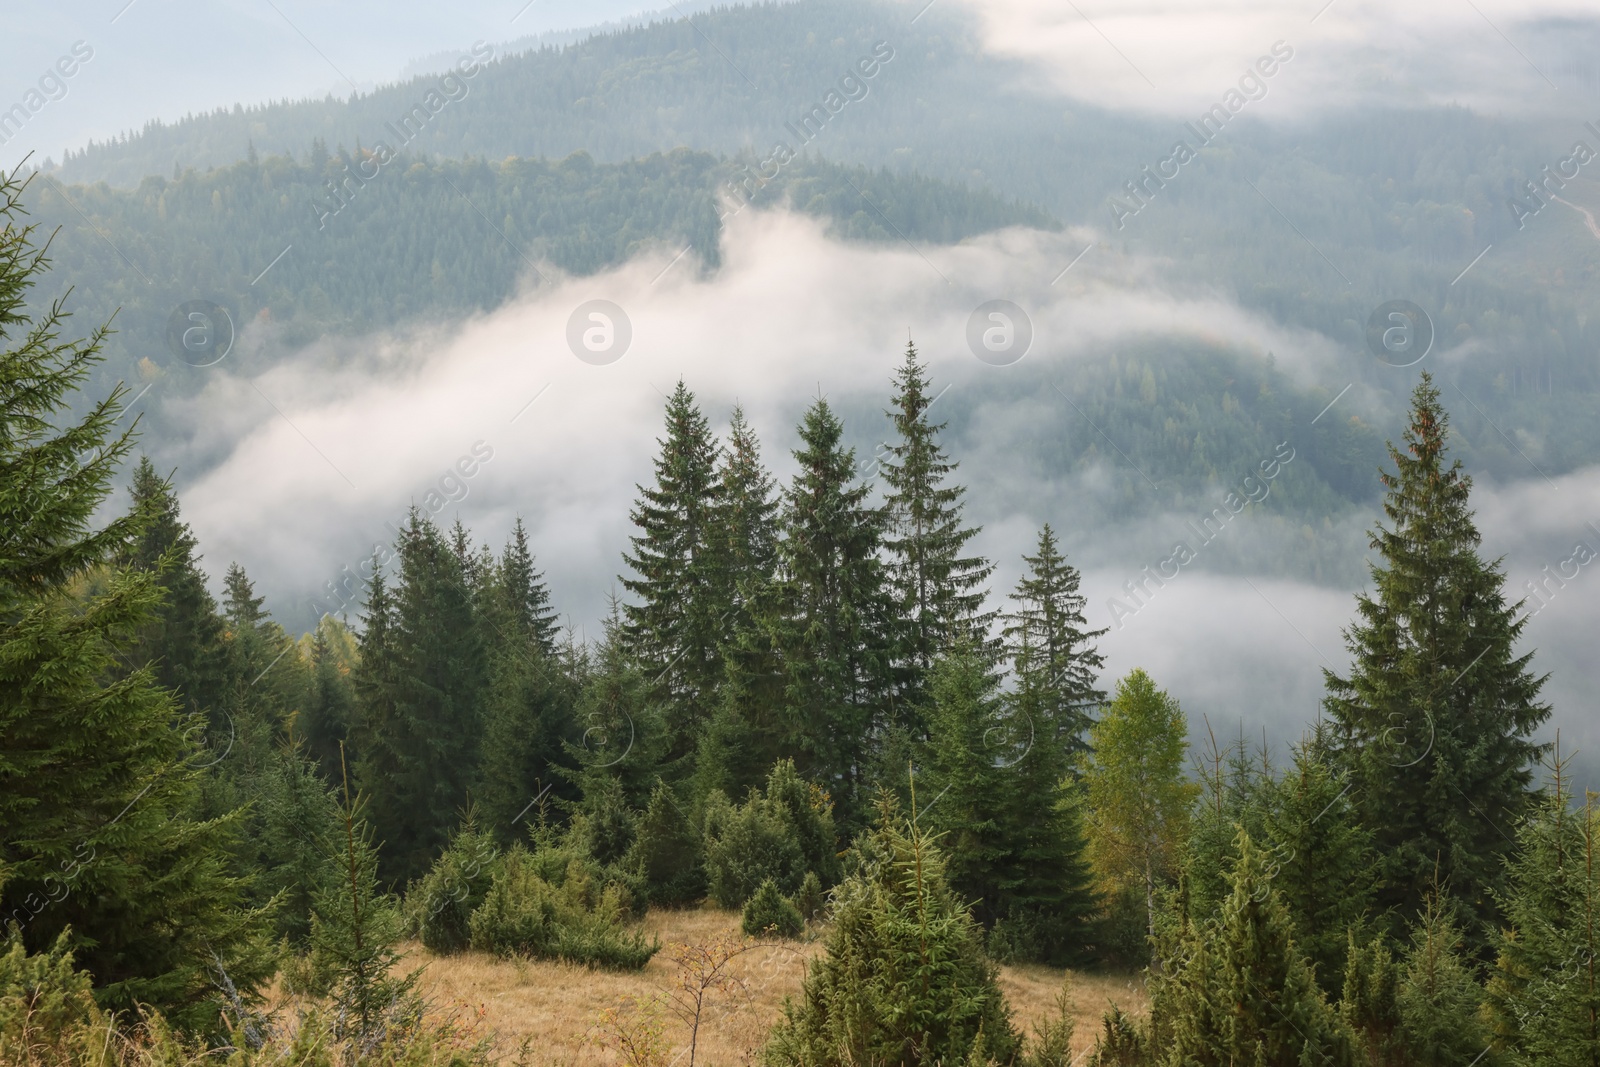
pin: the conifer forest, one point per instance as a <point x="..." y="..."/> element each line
<point x="799" y="534"/>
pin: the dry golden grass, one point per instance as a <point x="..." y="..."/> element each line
<point x="557" y="1009"/>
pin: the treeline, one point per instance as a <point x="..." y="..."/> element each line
<point x="806" y="707"/>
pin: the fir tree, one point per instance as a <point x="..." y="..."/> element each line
<point x="183" y="640"/>
<point x="674" y="628"/>
<point x="420" y="707"/>
<point x="831" y="617"/>
<point x="937" y="590"/>
<point x="1544" y="992"/>
<point x="1438" y="997"/>
<point x="745" y="735"/>
<point x="329" y="710"/>
<point x="355" y="929"/>
<point x="1322" y="859"/>
<point x="1434" y="722"/>
<point x="903" y="979"/>
<point x="528" y="703"/>
<point x="98" y="778"/>
<point x="1240" y="992"/>
<point x="1052" y="649"/>
<point x="666" y="851"/>
<point x="1138" y="799"/>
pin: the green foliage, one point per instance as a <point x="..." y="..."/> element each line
<point x="355" y="929"/>
<point x="780" y="835"/>
<point x="1240" y="991"/>
<point x="1122" y="1042"/>
<point x="1439" y="997"/>
<point x="45" y="1006"/>
<point x="811" y="901"/>
<point x="442" y="903"/>
<point x="936" y="589"/>
<point x="1051" y="1045"/>
<point x="667" y="852"/>
<point x="904" y="979"/>
<point x="831" y="619"/>
<point x="1139" y="802"/>
<point x="769" y="912"/>
<point x="1437" y="692"/>
<point x="565" y="916"/>
<point x="99" y="775"/>
<point x="423" y="676"/>
<point x="1544" y="991"/>
<point x="1369" y="1004"/>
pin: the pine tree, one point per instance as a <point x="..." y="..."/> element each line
<point x="1434" y="722"/>
<point x="1544" y="991"/>
<point x="183" y="641"/>
<point x="745" y="735"/>
<point x="832" y="617"/>
<point x="354" y="930"/>
<point x="1138" y="800"/>
<point x="528" y="703"/>
<point x="903" y="979"/>
<point x="420" y="726"/>
<point x="98" y="777"/>
<point x="1240" y="992"/>
<point x="1322" y="858"/>
<point x="674" y="629"/>
<point x="938" y="590"/>
<point x="1052" y="650"/>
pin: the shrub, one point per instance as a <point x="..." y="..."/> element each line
<point x="904" y="979"/>
<point x="666" y="852"/>
<point x="576" y="919"/>
<point x="770" y="911"/>
<point x="442" y="903"/>
<point x="810" y="901"/>
<point x="780" y="835"/>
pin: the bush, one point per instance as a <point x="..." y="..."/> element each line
<point x="904" y="979"/>
<point x="810" y="901"/>
<point x="769" y="911"/>
<point x="780" y="835"/>
<point x="666" y="852"/>
<point x="441" y="904"/>
<point x="577" y="919"/>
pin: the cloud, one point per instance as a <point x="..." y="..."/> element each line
<point x="320" y="452"/>
<point x="1179" y="57"/>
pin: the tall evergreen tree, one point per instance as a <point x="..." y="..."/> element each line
<point x="329" y="710"/>
<point x="745" y="735"/>
<point x="183" y="640"/>
<point x="98" y="778"/>
<point x="999" y="797"/>
<point x="1052" y="649"/>
<point x="674" y="626"/>
<point x="1434" y="722"/>
<point x="937" y="589"/>
<point x="832" y="615"/>
<point x="521" y="589"/>
<point x="420" y="724"/>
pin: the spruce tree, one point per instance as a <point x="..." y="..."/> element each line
<point x="1544" y="991"/>
<point x="329" y="710"/>
<point x="1438" y="997"/>
<point x="1240" y="992"/>
<point x="903" y="979"/>
<point x="419" y="716"/>
<point x="1434" y="721"/>
<point x="1007" y="814"/>
<point x="1322" y="859"/>
<point x="616" y="758"/>
<point x="1052" y="649"/>
<point x="937" y="589"/>
<point x="674" y="626"/>
<point x="1139" y="802"/>
<point x="832" y="616"/>
<point x="745" y="735"/>
<point x="184" y="638"/>
<point x="98" y="775"/>
<point x="528" y="702"/>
